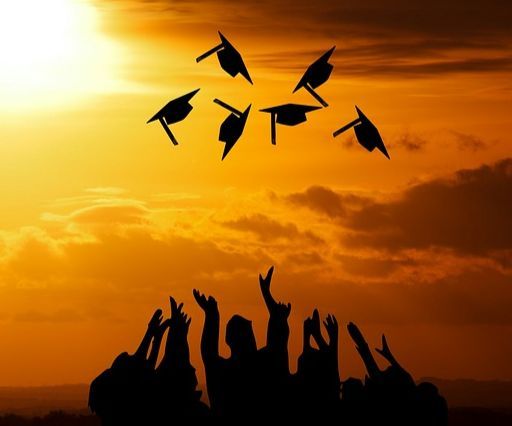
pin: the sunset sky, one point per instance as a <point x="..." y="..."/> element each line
<point x="102" y="218"/>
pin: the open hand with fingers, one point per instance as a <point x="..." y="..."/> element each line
<point x="155" y="322"/>
<point x="179" y="321"/>
<point x="277" y="309"/>
<point x="207" y="304"/>
<point x="331" y="325"/>
<point x="386" y="352"/>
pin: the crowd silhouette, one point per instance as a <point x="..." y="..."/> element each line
<point x="256" y="383"/>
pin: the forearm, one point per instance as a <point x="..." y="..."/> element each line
<point x="142" y="350"/>
<point x="210" y="336"/>
<point x="371" y="366"/>
<point x="155" y="349"/>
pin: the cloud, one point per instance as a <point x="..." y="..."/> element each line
<point x="390" y="39"/>
<point x="326" y="201"/>
<point x="268" y="229"/>
<point x="466" y="142"/>
<point x="106" y="190"/>
<point x="410" y="142"/>
<point x="468" y="212"/>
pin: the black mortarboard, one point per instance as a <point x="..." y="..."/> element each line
<point x="316" y="75"/>
<point x="229" y="59"/>
<point x="232" y="127"/>
<point x="366" y="133"/>
<point x="175" y="110"/>
<point x="287" y="114"/>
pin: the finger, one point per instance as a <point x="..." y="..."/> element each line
<point x="270" y="272"/>
<point x="384" y="342"/>
<point x="180" y="307"/>
<point x="189" y="321"/>
<point x="173" y="304"/>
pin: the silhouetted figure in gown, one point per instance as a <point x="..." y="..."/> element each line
<point x="122" y="394"/>
<point x="392" y="396"/>
<point x="317" y="383"/>
<point x="252" y="382"/>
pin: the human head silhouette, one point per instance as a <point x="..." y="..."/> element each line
<point x="240" y="336"/>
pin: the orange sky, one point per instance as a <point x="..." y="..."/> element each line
<point x="102" y="218"/>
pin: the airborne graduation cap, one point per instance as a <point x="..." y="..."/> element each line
<point x="316" y="75"/>
<point x="287" y="114"/>
<point x="366" y="133"/>
<point x="232" y="127"/>
<point x="176" y="110"/>
<point x="229" y="59"/>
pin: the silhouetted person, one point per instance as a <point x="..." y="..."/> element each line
<point x="176" y="395"/>
<point x="251" y="382"/>
<point x="317" y="379"/>
<point x="122" y="394"/>
<point x="393" y="397"/>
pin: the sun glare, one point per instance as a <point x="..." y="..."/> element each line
<point x="51" y="52"/>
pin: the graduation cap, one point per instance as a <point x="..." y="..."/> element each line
<point x="229" y="59"/>
<point x="175" y="110"/>
<point x="366" y="133"/>
<point x="316" y="75"/>
<point x="287" y="114"/>
<point x="232" y="127"/>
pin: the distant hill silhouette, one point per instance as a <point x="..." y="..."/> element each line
<point x="38" y="401"/>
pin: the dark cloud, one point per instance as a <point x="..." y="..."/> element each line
<point x="269" y="229"/>
<point x="468" y="213"/>
<point x="386" y="38"/>
<point x="324" y="200"/>
<point x="481" y="296"/>
<point x="466" y="142"/>
<point x="410" y="142"/>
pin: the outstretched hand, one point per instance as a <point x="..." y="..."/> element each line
<point x="331" y="325"/>
<point x="208" y="305"/>
<point x="155" y="322"/>
<point x="274" y="308"/>
<point x="265" y="282"/>
<point x="179" y="321"/>
<point x="356" y="335"/>
<point x="385" y="351"/>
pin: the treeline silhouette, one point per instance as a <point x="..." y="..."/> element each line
<point x="256" y="383"/>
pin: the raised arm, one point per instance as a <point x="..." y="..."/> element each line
<point x="316" y="332"/>
<point x="154" y="323"/>
<point x="210" y="336"/>
<point x="331" y="325"/>
<point x="157" y="341"/>
<point x="278" y="330"/>
<point x="176" y="348"/>
<point x="364" y="351"/>
<point x="386" y="353"/>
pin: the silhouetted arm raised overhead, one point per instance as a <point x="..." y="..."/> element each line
<point x="316" y="332"/>
<point x="364" y="351"/>
<point x="331" y="325"/>
<point x="157" y="342"/>
<point x="176" y="348"/>
<point x="386" y="353"/>
<point x="153" y="325"/>
<point x="278" y="330"/>
<point x="210" y="336"/>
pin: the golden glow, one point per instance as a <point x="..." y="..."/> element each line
<point x="52" y="52"/>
